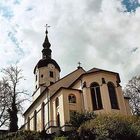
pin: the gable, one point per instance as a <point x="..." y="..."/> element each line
<point x="66" y="81"/>
<point x="97" y="74"/>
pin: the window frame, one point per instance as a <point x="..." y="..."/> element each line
<point x="58" y="119"/>
<point x="51" y="74"/>
<point x="97" y="103"/>
<point x="36" y="77"/>
<point x="71" y="98"/>
<point x="35" y="120"/>
<point x="57" y="102"/>
<point x="28" y="123"/>
<point x="112" y="96"/>
<point x="43" y="115"/>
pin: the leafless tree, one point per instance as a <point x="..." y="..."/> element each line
<point x="12" y="75"/>
<point x="132" y="90"/>
<point x="4" y="102"/>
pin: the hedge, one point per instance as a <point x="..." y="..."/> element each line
<point x="111" y="127"/>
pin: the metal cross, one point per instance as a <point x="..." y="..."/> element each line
<point x="79" y="63"/>
<point x="47" y="26"/>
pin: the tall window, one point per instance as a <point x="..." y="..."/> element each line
<point x="35" y="120"/>
<point x="57" y="102"/>
<point x="96" y="96"/>
<point x="43" y="115"/>
<point x="112" y="95"/>
<point x="72" y="98"/>
<point x="58" y="119"/>
<point x="28" y="123"/>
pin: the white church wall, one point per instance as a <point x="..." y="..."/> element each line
<point x="77" y="107"/>
<point x="97" y="77"/>
<point x="66" y="81"/>
<point x="37" y="107"/>
<point x="57" y="109"/>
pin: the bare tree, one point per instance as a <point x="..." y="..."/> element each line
<point x="4" y="102"/>
<point x="132" y="90"/>
<point x="13" y="76"/>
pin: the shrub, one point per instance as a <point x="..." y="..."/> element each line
<point x="60" y="138"/>
<point x="76" y="118"/>
<point x="111" y="127"/>
<point x="23" y="135"/>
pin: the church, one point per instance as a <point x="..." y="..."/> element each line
<point x="55" y="98"/>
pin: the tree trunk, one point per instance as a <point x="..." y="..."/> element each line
<point x="13" y="127"/>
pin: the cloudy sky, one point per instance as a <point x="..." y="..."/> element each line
<point x="98" y="33"/>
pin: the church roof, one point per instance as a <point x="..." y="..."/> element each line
<point x="67" y="80"/>
<point x="93" y="70"/>
<point x="64" y="82"/>
<point x="96" y="70"/>
<point x="45" y="62"/>
<point x="61" y="88"/>
<point x="37" y="99"/>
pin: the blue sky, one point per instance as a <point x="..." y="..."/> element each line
<point x="131" y="5"/>
<point x="98" y="33"/>
<point x="22" y="32"/>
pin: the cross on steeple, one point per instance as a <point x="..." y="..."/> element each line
<point x="46" y="52"/>
<point x="47" y="26"/>
<point x="79" y="65"/>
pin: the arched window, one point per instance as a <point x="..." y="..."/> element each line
<point x="58" y="119"/>
<point x="57" y="102"/>
<point x="28" y="123"/>
<point x="35" y="120"/>
<point x="72" y="98"/>
<point x="96" y="96"/>
<point x="112" y="95"/>
<point x="43" y="115"/>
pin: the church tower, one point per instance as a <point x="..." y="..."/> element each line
<point x="47" y="71"/>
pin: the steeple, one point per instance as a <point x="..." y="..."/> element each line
<point x="46" y="55"/>
<point x="46" y="52"/>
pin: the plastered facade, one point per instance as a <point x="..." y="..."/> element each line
<point x="73" y="85"/>
<point x="55" y="98"/>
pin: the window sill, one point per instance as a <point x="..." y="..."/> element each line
<point x="72" y="103"/>
<point x="115" y="108"/>
<point x="98" y="109"/>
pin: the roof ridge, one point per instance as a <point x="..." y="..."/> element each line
<point x="67" y="76"/>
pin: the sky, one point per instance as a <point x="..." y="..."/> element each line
<point x="98" y="33"/>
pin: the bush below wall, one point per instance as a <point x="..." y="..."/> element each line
<point x="102" y="127"/>
<point x="61" y="138"/>
<point x="111" y="127"/>
<point x="22" y="135"/>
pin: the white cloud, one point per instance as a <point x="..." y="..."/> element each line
<point x="96" y="32"/>
<point x="76" y="26"/>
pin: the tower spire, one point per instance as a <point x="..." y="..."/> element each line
<point x="46" y="52"/>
